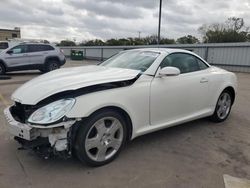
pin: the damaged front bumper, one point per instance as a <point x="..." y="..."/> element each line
<point x="46" y="140"/>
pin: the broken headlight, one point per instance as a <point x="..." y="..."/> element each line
<point x="51" y="112"/>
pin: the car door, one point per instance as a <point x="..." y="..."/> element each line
<point x="17" y="56"/>
<point x="36" y="54"/>
<point x="176" y="98"/>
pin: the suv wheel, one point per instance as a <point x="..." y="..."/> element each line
<point x="51" y="65"/>
<point x="2" y="69"/>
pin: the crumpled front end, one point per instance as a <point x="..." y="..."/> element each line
<point x="46" y="140"/>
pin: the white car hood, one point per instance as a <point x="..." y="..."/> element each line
<point x="65" y="79"/>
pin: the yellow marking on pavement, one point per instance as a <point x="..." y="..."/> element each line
<point x="233" y="182"/>
<point x="5" y="102"/>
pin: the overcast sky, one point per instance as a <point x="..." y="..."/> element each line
<point x="103" y="19"/>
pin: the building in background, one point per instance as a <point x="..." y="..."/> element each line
<point x="6" y="34"/>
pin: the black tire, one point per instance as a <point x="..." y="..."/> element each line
<point x="84" y="131"/>
<point x="50" y="66"/>
<point x="216" y="117"/>
<point x="2" y="69"/>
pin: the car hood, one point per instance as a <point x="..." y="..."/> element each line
<point x="66" y="79"/>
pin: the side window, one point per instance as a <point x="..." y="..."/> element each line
<point x="34" y="48"/>
<point x="39" y="48"/>
<point x="47" y="48"/>
<point x="185" y="62"/>
<point x="19" y="49"/>
<point x="202" y="65"/>
<point x="4" y="45"/>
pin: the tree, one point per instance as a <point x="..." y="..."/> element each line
<point x="67" y="43"/>
<point x="95" y="42"/>
<point x="167" y="41"/>
<point x="233" y="30"/>
<point x="189" y="39"/>
<point x="151" y="39"/>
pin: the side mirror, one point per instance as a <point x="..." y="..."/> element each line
<point x="10" y="52"/>
<point x="169" y="71"/>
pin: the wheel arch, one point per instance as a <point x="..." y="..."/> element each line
<point x="122" y="112"/>
<point x="4" y="64"/>
<point x="231" y="90"/>
<point x="51" y="58"/>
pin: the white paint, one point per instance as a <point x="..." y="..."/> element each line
<point x="69" y="79"/>
<point x="152" y="102"/>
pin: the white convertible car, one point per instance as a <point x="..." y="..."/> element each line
<point x="92" y="111"/>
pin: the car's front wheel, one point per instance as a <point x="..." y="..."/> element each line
<point x="100" y="138"/>
<point x="223" y="107"/>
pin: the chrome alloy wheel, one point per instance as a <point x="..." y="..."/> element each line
<point x="104" y="139"/>
<point x="224" y="105"/>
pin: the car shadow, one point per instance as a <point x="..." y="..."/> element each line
<point x="24" y="73"/>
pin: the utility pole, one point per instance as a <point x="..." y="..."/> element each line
<point x="159" y="25"/>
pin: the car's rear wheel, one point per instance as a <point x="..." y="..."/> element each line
<point x="223" y="107"/>
<point x="50" y="66"/>
<point x="2" y="69"/>
<point x="101" y="138"/>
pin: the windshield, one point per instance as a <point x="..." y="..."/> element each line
<point x="137" y="60"/>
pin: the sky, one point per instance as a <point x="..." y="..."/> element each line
<point x="83" y="20"/>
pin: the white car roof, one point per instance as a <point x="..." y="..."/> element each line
<point x="162" y="50"/>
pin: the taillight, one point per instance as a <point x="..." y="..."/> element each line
<point x="61" y="50"/>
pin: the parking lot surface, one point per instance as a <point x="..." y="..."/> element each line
<point x="195" y="154"/>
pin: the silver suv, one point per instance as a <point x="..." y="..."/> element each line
<point x="30" y="56"/>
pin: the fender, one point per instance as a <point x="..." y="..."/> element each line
<point x="223" y="87"/>
<point x="4" y="64"/>
<point x="24" y="111"/>
<point x="51" y="57"/>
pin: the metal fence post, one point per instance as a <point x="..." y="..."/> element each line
<point x="101" y="54"/>
<point x="206" y="53"/>
<point x="85" y="53"/>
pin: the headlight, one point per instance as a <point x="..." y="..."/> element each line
<point x="51" y="112"/>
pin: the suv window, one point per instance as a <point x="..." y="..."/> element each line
<point x="4" y="45"/>
<point x="39" y="48"/>
<point x="185" y="62"/>
<point x="19" y="49"/>
<point x="48" y="47"/>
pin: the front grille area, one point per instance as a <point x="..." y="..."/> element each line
<point x="21" y="112"/>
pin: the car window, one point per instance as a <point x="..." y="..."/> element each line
<point x="47" y="48"/>
<point x="185" y="62"/>
<point x="34" y="48"/>
<point x="19" y="49"/>
<point x="137" y="60"/>
<point x="4" y="45"/>
<point x="39" y="48"/>
<point x="202" y="65"/>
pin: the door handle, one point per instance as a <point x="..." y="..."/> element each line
<point x="25" y="54"/>
<point x="203" y="80"/>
